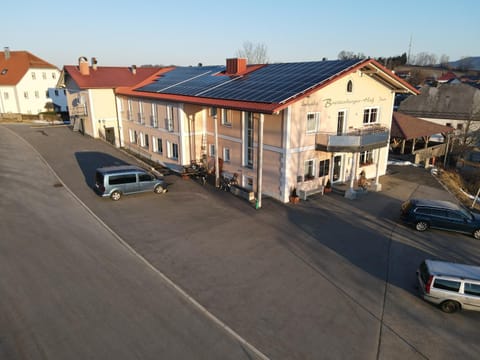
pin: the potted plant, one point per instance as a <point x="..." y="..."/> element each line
<point x="328" y="187"/>
<point x="294" y="198"/>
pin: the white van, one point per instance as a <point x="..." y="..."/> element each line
<point x="452" y="286"/>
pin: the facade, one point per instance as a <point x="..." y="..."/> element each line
<point x="24" y="82"/>
<point x="453" y="105"/>
<point x="91" y="98"/>
<point x="278" y="126"/>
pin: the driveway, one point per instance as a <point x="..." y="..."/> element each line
<point x="328" y="278"/>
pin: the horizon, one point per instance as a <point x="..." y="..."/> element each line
<point x="118" y="33"/>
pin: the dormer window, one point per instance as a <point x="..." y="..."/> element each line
<point x="349" y="86"/>
<point x="4" y="71"/>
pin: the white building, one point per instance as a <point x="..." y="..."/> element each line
<point x="24" y="82"/>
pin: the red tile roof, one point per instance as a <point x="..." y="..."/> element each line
<point x="409" y="127"/>
<point x="108" y="77"/>
<point x="16" y="66"/>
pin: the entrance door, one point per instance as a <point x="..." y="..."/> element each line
<point x="337" y="167"/>
<point x="110" y="135"/>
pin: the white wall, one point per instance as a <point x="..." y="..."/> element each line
<point x="31" y="91"/>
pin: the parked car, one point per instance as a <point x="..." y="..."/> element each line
<point x="115" y="181"/>
<point x="452" y="286"/>
<point x="445" y="215"/>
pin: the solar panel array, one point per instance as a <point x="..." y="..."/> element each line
<point x="273" y="83"/>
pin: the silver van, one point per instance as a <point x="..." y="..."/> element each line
<point x="452" y="286"/>
<point x="115" y="181"/>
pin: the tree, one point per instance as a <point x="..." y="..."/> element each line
<point x="444" y="59"/>
<point x="349" y="55"/>
<point x="254" y="53"/>
<point x="425" y="59"/>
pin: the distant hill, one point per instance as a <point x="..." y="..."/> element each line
<point x="468" y="63"/>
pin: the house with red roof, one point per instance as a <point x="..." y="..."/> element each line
<point x="91" y="98"/>
<point x="24" y="82"/>
<point x="278" y="127"/>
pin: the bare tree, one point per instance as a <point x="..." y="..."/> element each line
<point x="425" y="59"/>
<point x="254" y="53"/>
<point x="444" y="59"/>
<point x="348" y="55"/>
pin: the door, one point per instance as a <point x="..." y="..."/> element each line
<point x="110" y="135"/>
<point x="337" y="168"/>
<point x="340" y="122"/>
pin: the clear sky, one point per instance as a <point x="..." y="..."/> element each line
<point x="186" y="32"/>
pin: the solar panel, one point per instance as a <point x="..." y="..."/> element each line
<point x="272" y="83"/>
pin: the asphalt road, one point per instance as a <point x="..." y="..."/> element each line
<point x="71" y="289"/>
<point x="328" y="278"/>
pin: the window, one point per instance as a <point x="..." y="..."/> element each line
<point x="323" y="167"/>
<point x="145" y="177"/>
<point x="146" y="142"/>
<point x="129" y="110"/>
<point x="34" y="76"/>
<point x="312" y="122"/>
<point x="5" y="95"/>
<point x="226" y="121"/>
<point x="472" y="289"/>
<point x="25" y="94"/>
<point x="172" y="150"/>
<point x="54" y="76"/>
<point x="56" y="92"/>
<point x="213" y="111"/>
<point x="366" y="157"/>
<point x="37" y="94"/>
<point x="211" y="148"/>
<point x="122" y="179"/>
<point x="249" y="140"/>
<point x="459" y="126"/>
<point x="142" y="139"/>
<point x="226" y="154"/>
<point x="449" y="285"/>
<point x="154" y="119"/>
<point x="309" y="171"/>
<point x="141" y="118"/>
<point x="4" y="71"/>
<point x="159" y="146"/>
<point x="44" y="75"/>
<point x="370" y="115"/>
<point x="169" y="118"/>
<point x="349" y="86"/>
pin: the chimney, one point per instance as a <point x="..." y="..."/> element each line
<point x="134" y="69"/>
<point x="94" y="63"/>
<point x="83" y="66"/>
<point x="236" y="66"/>
<point x="7" y="52"/>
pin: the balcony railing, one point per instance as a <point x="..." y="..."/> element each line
<point x="365" y="138"/>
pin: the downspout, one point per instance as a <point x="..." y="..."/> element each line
<point x="217" y="170"/>
<point x="260" y="162"/>
<point x="119" y="121"/>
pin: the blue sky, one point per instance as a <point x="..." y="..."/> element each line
<point x="119" y="32"/>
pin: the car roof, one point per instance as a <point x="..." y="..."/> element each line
<point x="119" y="169"/>
<point x="435" y="203"/>
<point x="444" y="268"/>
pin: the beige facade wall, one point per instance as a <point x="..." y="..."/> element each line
<point x="287" y="143"/>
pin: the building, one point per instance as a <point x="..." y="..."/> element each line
<point x="91" y="98"/>
<point x="279" y="127"/>
<point x="453" y="105"/>
<point x="24" y="82"/>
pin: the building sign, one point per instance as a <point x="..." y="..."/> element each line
<point x="79" y="110"/>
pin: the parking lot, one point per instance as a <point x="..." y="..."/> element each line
<point x="327" y="278"/>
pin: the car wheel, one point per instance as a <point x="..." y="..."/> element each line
<point x="158" y="189"/>
<point x="421" y="226"/>
<point x="476" y="234"/>
<point x="116" y="195"/>
<point x="449" y="306"/>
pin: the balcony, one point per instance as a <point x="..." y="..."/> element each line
<point x="368" y="137"/>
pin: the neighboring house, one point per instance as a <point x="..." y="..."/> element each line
<point x="454" y="105"/>
<point x="59" y="99"/>
<point x="24" y="81"/>
<point x="278" y="126"/>
<point x="91" y="99"/>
